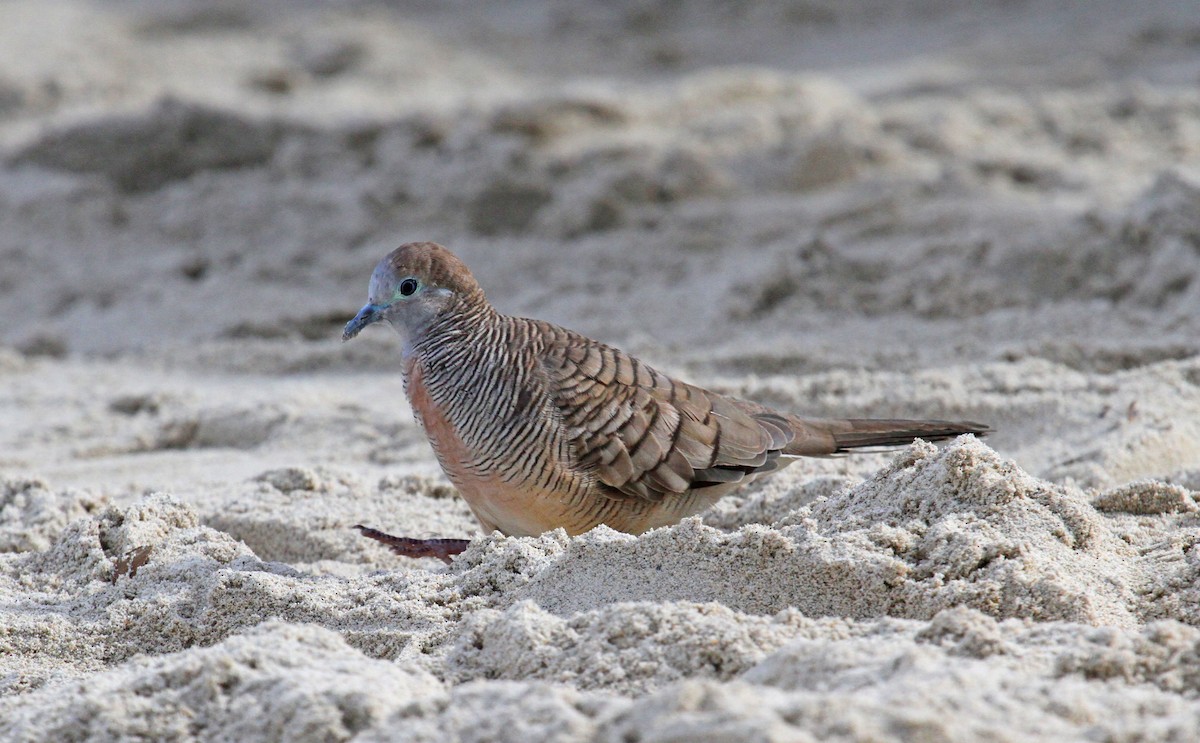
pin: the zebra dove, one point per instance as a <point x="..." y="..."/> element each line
<point x="539" y="427"/>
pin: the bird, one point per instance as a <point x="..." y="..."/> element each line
<point x="539" y="427"/>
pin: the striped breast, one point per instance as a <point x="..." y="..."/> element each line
<point x="481" y="398"/>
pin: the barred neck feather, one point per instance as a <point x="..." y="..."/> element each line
<point x="469" y="320"/>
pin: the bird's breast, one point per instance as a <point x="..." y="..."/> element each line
<point x="501" y="476"/>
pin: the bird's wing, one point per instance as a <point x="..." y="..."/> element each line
<point x="646" y="435"/>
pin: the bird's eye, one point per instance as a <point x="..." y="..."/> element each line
<point x="408" y="287"/>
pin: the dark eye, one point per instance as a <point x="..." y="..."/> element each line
<point x="408" y="287"/>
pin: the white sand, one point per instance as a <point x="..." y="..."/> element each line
<point x="857" y="208"/>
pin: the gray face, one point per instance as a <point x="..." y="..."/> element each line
<point x="404" y="300"/>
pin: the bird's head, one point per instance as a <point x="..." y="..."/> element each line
<point x="414" y="285"/>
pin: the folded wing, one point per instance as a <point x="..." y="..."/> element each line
<point x="648" y="436"/>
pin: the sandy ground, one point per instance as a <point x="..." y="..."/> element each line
<point x="856" y="208"/>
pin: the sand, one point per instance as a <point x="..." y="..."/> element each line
<point x="856" y="208"/>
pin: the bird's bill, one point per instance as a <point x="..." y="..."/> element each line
<point x="367" y="315"/>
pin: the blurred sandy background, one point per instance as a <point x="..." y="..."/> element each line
<point x="862" y="208"/>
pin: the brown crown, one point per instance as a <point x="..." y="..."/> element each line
<point x="436" y="266"/>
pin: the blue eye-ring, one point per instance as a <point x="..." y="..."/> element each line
<point x="409" y="287"/>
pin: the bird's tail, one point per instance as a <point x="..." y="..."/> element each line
<point x="815" y="437"/>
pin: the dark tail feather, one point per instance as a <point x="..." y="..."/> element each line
<point x="867" y="432"/>
<point x="823" y="437"/>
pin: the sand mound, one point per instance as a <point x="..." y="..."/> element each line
<point x="277" y="681"/>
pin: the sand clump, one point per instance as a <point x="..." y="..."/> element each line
<point x="859" y="209"/>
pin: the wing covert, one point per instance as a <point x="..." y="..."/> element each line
<point x="646" y="435"/>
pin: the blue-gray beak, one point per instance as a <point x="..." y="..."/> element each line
<point x="367" y="315"/>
